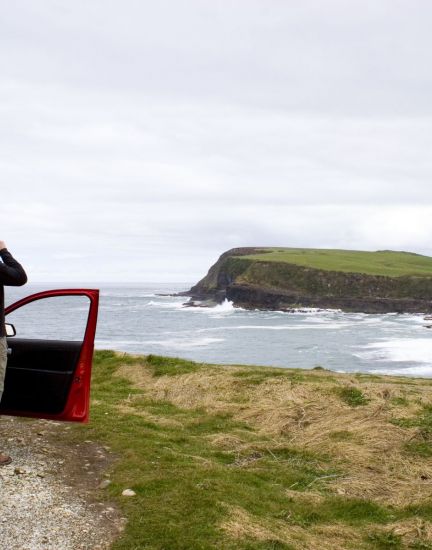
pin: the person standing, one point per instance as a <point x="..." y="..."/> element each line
<point x="11" y="274"/>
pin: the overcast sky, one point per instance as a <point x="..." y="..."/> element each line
<point x="139" y="140"/>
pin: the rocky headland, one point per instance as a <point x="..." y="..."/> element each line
<point x="254" y="278"/>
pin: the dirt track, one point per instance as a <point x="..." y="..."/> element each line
<point x="49" y="496"/>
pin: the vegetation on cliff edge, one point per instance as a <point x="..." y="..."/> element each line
<point x="237" y="457"/>
<point x="283" y="278"/>
<point x="386" y="262"/>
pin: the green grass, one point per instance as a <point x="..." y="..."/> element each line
<point x="400" y="401"/>
<point x="422" y="444"/>
<point x="384" y="540"/>
<point x="423" y="421"/>
<point x="353" y="396"/>
<point x="187" y="486"/>
<point x="421" y="448"/>
<point x="170" y="365"/>
<point x="183" y="483"/>
<point x="388" y="263"/>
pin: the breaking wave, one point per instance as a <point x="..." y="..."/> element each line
<point x="402" y="350"/>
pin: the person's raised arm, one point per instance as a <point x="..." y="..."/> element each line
<point x="11" y="271"/>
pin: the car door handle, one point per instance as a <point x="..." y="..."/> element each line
<point x="9" y="351"/>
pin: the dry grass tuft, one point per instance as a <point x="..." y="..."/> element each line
<point x="413" y="531"/>
<point x="153" y="418"/>
<point x="243" y="526"/>
<point x="305" y="496"/>
<point x="227" y="442"/>
<point x="139" y="375"/>
<point x="307" y="413"/>
<point x="365" y="441"/>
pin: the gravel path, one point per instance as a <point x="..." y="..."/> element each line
<point x="49" y="494"/>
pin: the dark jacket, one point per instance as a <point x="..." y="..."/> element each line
<point x="11" y="274"/>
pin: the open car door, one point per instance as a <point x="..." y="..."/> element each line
<point x="49" y="376"/>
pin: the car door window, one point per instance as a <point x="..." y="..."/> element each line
<point x="56" y="318"/>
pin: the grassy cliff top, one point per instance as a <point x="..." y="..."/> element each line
<point x="386" y="262"/>
<point x="260" y="458"/>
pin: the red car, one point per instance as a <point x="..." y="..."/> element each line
<point x="47" y="378"/>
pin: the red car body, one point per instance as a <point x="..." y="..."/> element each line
<point x="51" y="378"/>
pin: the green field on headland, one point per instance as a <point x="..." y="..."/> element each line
<point x="386" y="262"/>
<point x="240" y="457"/>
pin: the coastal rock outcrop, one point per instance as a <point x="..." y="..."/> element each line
<point x="254" y="283"/>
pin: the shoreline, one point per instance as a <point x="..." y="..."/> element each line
<point x="253" y="297"/>
<point x="317" y="368"/>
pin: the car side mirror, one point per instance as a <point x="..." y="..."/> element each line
<point x="10" y="330"/>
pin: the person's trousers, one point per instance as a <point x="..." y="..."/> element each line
<point x="3" y="362"/>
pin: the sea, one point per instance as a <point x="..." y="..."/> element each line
<point x="145" y="319"/>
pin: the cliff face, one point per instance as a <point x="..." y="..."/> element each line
<point x="252" y="283"/>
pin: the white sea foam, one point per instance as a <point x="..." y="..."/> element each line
<point x="224" y="308"/>
<point x="185" y="343"/>
<point x="326" y="326"/>
<point x="315" y="319"/>
<point x="309" y="310"/>
<point x="418" y="371"/>
<point x="123" y="296"/>
<point x="140" y="321"/>
<point x="102" y="343"/>
<point x="172" y="304"/>
<point x="412" y="350"/>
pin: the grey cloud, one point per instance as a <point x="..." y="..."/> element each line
<point x="138" y="141"/>
<point x="315" y="56"/>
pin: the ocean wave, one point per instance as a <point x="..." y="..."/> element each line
<point x="327" y="326"/>
<point x="178" y="304"/>
<point x="126" y="296"/>
<point x="402" y="350"/>
<point x="224" y="308"/>
<point x="417" y="371"/>
<point x="184" y="343"/>
<point x="308" y="310"/>
<point x="100" y="343"/>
